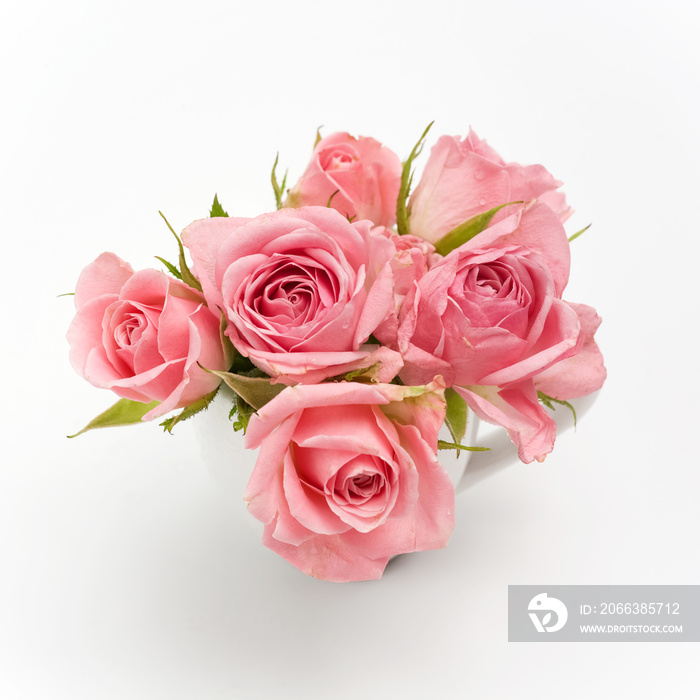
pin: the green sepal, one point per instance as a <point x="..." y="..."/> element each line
<point x="230" y="352"/>
<point x="171" y="268"/>
<point x="278" y="189"/>
<point x="456" y="414"/>
<point x="443" y="445"/>
<point x="578" y="233"/>
<point x="330" y="199"/>
<point x="549" y="402"/>
<point x="467" y="230"/>
<point x="67" y="294"/>
<point x="255" y="391"/>
<point x="187" y="276"/>
<point x="244" y="411"/>
<point x="357" y="374"/>
<point x="236" y="363"/>
<point x="318" y="136"/>
<point x="402" y="212"/>
<point x="192" y="410"/>
<point x="216" y="209"/>
<point x="243" y="365"/>
<point x="124" y="412"/>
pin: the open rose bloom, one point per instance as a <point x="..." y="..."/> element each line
<point x="302" y="289"/>
<point x="143" y="335"/>
<point x="347" y="476"/>
<point x="340" y="320"/>
<point x="356" y="176"/>
<point x="489" y="317"/>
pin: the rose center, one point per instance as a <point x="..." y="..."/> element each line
<point x="341" y="162"/>
<point x="362" y="487"/>
<point x="361" y="482"/>
<point x="293" y="294"/>
<point x="130" y="330"/>
<point x="338" y="159"/>
<point x="490" y="281"/>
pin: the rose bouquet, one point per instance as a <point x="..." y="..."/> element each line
<point x="351" y="323"/>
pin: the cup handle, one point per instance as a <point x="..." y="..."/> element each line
<point x="503" y="453"/>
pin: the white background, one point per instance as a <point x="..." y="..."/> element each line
<point x="126" y="571"/>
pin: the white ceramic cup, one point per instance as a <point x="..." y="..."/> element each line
<point x="502" y="452"/>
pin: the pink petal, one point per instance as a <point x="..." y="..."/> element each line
<point x="518" y="410"/>
<point x="205" y="238"/>
<point x="296" y="398"/>
<point x="307" y="507"/>
<point x="328" y="557"/>
<point x="560" y="338"/>
<point x="264" y="490"/>
<point x="106" y="275"/>
<point x="85" y="333"/>
<point x="581" y="374"/>
<point x="534" y="226"/>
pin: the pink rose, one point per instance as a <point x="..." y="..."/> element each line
<point x="413" y="258"/>
<point x="302" y="289"/>
<point x="489" y="317"/>
<point x="364" y="175"/>
<point x="141" y="334"/>
<point x="465" y="178"/>
<point x="347" y="476"/>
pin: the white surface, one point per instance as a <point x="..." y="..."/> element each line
<point x="126" y="572"/>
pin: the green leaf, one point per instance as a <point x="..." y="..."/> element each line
<point x="443" y="445"/>
<point x="456" y="414"/>
<point x="124" y="412"/>
<point x="187" y="276"/>
<point x="192" y="410"/>
<point x="578" y="233"/>
<point x="256" y="391"/>
<point x="402" y="212"/>
<point x="278" y="189"/>
<point x="216" y="209"/>
<point x="549" y="402"/>
<point x="171" y="268"/>
<point x="467" y="230"/>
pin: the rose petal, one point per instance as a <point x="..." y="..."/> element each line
<point x="518" y="410"/>
<point x="204" y="239"/>
<point x="106" y="275"/>
<point x="584" y="372"/>
<point x="330" y="558"/>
